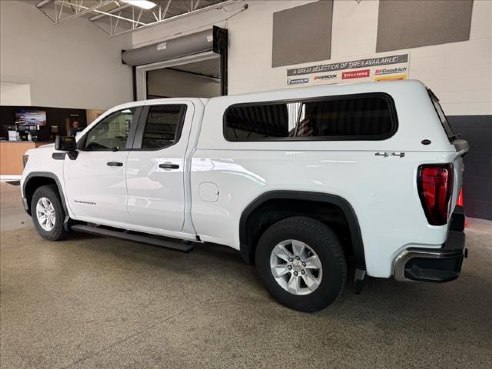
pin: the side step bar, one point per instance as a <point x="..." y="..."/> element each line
<point x="179" y="246"/>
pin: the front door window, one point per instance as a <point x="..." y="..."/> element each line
<point x="111" y="133"/>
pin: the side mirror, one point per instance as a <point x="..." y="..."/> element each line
<point x="65" y="143"/>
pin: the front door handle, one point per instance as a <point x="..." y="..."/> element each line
<point x="114" y="164"/>
<point x="168" y="166"/>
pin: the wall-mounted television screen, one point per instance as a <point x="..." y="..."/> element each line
<point x="30" y="117"/>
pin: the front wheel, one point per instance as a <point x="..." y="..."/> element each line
<point x="47" y="213"/>
<point x="301" y="263"/>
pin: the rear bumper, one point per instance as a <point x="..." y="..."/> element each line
<point x="434" y="265"/>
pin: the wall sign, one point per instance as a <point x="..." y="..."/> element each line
<point x="391" y="67"/>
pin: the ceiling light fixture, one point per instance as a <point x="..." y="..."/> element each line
<point x="144" y="4"/>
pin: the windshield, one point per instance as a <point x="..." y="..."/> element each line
<point x="442" y="116"/>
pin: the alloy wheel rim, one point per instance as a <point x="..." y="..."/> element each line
<point x="45" y="212"/>
<point x="296" y="267"/>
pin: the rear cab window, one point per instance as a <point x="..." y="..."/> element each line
<point x="352" y="117"/>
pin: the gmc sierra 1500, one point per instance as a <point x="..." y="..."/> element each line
<point x="304" y="182"/>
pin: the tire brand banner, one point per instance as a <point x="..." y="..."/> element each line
<point x="383" y="68"/>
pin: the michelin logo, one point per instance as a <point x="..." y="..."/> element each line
<point x="390" y="70"/>
<point x="297" y="81"/>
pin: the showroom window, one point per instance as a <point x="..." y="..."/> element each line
<point x="111" y="133"/>
<point x="358" y="117"/>
<point x="163" y="126"/>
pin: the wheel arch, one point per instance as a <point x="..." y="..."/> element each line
<point x="250" y="224"/>
<point x="35" y="180"/>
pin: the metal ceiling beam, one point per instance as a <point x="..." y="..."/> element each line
<point x="194" y="4"/>
<point x="109" y="13"/>
<point x="43" y="3"/>
<point x="77" y="8"/>
<point x="163" y="13"/>
<point x="167" y="20"/>
<point x="118" y="16"/>
<point x="115" y="22"/>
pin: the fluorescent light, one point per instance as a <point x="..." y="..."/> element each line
<point x="144" y="4"/>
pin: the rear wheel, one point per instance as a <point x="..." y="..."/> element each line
<point x="47" y="213"/>
<point x="301" y="263"/>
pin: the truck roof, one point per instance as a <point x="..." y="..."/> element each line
<point x="291" y="93"/>
<point x="342" y="88"/>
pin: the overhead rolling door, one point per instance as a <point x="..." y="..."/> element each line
<point x="175" y="48"/>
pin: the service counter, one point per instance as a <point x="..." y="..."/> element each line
<point x="11" y="153"/>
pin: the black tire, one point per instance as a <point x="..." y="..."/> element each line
<point x="51" y="193"/>
<point x="323" y="241"/>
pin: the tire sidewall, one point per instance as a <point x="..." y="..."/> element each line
<point x="57" y="232"/>
<point x="324" y="242"/>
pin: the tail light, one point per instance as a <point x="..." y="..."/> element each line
<point x="460" y="199"/>
<point x="435" y="186"/>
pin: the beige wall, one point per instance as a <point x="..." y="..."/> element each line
<point x="72" y="64"/>
<point x="460" y="73"/>
<point x="15" y="94"/>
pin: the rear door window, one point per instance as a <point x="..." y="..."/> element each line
<point x="163" y="126"/>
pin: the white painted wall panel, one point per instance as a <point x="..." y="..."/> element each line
<point x="15" y="94"/>
<point x="72" y="64"/>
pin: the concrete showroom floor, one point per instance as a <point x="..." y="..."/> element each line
<point x="93" y="302"/>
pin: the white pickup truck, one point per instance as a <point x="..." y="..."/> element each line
<point x="306" y="183"/>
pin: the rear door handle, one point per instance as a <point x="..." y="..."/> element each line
<point x="114" y="164"/>
<point x="168" y="166"/>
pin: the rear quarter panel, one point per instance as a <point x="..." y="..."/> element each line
<point x="382" y="190"/>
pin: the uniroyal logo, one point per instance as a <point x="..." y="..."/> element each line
<point x="325" y="76"/>
<point x="356" y="74"/>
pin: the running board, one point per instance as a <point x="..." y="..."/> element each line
<point x="179" y="246"/>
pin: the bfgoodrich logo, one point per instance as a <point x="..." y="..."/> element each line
<point x="325" y="76"/>
<point x="390" y="70"/>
